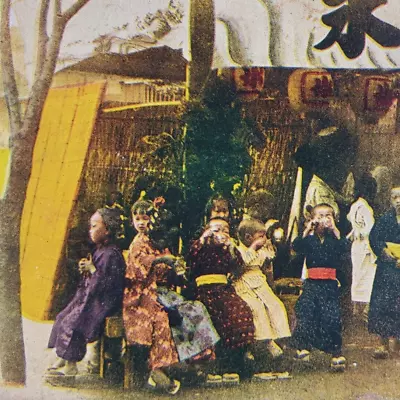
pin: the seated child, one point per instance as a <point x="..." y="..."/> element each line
<point x="171" y="328"/>
<point x="98" y="296"/>
<point x="269" y="313"/>
<point x="317" y="309"/>
<point x="213" y="259"/>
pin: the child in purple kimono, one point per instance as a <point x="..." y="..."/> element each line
<point x="98" y="296"/>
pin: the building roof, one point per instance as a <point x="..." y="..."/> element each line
<point x="152" y="63"/>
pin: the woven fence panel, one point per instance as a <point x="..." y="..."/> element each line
<point x="273" y="166"/>
<point x="117" y="154"/>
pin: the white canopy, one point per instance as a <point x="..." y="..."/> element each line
<point x="287" y="33"/>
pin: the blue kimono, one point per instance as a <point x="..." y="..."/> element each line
<point x="98" y="296"/>
<point x="384" y="313"/>
<point x="319" y="323"/>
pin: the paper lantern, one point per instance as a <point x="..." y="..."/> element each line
<point x="249" y="82"/>
<point x="310" y="90"/>
<point x="371" y="96"/>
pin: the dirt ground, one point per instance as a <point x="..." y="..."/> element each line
<point x="364" y="379"/>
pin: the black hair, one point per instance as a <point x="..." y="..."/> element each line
<point x="211" y="204"/>
<point x="111" y="219"/>
<point x="366" y="187"/>
<point x="142" y="207"/>
<point x="163" y="230"/>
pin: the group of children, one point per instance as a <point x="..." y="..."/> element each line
<point x="230" y="310"/>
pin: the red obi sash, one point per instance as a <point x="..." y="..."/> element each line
<point x="321" y="273"/>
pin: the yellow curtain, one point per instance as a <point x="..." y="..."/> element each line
<point x="4" y="158"/>
<point x="60" y="151"/>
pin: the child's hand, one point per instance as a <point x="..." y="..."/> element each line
<point x="258" y="243"/>
<point x="330" y="224"/>
<point x="180" y="266"/>
<point x="310" y="226"/>
<point x="86" y="265"/>
<point x="206" y="235"/>
<point x="222" y="238"/>
<point x="269" y="250"/>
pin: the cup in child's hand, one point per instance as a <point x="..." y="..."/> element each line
<point x="180" y="267"/>
<point x="84" y="263"/>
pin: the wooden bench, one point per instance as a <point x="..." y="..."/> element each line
<point x="285" y="286"/>
<point x="114" y="329"/>
<point x="289" y="290"/>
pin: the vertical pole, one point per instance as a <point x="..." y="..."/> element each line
<point x="183" y="175"/>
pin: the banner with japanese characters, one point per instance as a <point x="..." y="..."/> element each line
<point x="351" y="34"/>
<point x="308" y="33"/>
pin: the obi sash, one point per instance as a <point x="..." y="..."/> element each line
<point x="211" y="279"/>
<point x="320" y="273"/>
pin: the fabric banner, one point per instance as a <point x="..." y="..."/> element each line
<point x="352" y="34"/>
<point x="308" y="33"/>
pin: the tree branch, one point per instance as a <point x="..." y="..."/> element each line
<point x="68" y="14"/>
<point x="9" y="80"/>
<point x="42" y="37"/>
<point x="42" y="85"/>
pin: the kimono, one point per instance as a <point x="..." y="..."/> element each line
<point x="195" y="336"/>
<point x="98" y="296"/>
<point x="318" y="316"/>
<point x="147" y="302"/>
<point x="363" y="259"/>
<point x="384" y="313"/>
<point x="269" y="313"/>
<point x="231" y="316"/>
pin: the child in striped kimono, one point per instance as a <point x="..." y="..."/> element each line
<point x="269" y="313"/>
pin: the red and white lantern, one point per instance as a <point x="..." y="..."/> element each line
<point x="249" y="82"/>
<point x="372" y="96"/>
<point x="310" y="90"/>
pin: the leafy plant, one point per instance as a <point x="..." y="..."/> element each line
<point x="217" y="146"/>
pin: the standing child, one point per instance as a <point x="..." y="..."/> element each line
<point x="318" y="309"/>
<point x="99" y="295"/>
<point x="363" y="259"/>
<point x="384" y="313"/>
<point x="269" y="313"/>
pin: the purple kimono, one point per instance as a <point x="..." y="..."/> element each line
<point x="98" y="296"/>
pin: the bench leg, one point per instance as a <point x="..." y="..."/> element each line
<point x="102" y="360"/>
<point x="128" y="369"/>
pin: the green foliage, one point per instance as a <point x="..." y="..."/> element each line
<point x="217" y="147"/>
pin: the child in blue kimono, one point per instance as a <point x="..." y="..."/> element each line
<point x="98" y="296"/>
<point x="318" y="309"/>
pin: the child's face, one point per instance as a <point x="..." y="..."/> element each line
<point x="324" y="217"/>
<point x="98" y="232"/>
<point x="220" y="230"/>
<point x="141" y="222"/>
<point x="260" y="236"/>
<point x="220" y="209"/>
<point x="395" y="199"/>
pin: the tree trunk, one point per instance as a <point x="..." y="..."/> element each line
<point x="22" y="142"/>
<point x="12" y="353"/>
